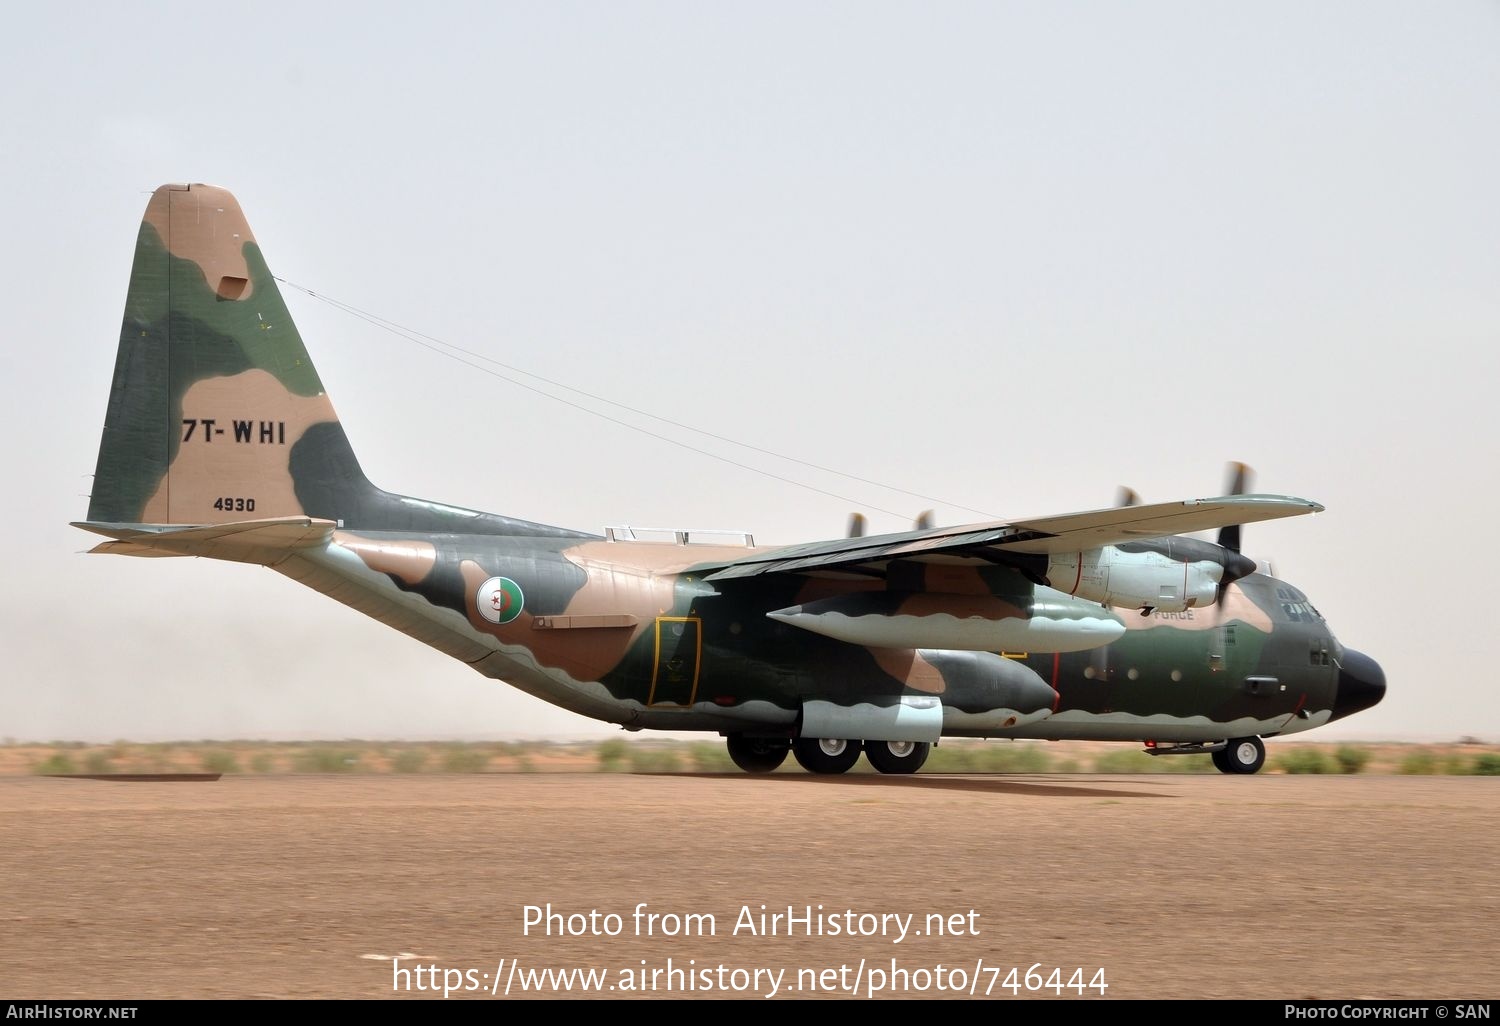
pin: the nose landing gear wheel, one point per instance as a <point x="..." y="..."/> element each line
<point x="1241" y="755"/>
<point x="826" y="754"/>
<point x="897" y="756"/>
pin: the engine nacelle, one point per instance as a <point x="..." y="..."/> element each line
<point x="1138" y="579"/>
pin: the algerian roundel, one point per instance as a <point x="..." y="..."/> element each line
<point x="499" y="600"/>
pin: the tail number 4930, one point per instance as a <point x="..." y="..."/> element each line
<point x="235" y="504"/>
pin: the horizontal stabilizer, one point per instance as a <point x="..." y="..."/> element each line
<point x="249" y="541"/>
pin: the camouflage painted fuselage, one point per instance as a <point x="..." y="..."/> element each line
<point x="630" y="632"/>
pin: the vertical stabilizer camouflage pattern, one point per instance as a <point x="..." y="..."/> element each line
<point x="213" y="387"/>
<point x="220" y="441"/>
<point x="216" y="414"/>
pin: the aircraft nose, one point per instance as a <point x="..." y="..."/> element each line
<point x="1361" y="684"/>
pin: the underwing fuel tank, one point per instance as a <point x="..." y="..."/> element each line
<point x="1050" y="622"/>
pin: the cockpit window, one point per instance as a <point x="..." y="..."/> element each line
<point x="1301" y="612"/>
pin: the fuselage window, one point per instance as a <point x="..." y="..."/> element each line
<point x="1318" y="652"/>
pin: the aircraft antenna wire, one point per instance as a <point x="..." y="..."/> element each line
<point x="452" y="352"/>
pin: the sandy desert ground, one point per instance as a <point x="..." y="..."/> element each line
<point x="1279" y="887"/>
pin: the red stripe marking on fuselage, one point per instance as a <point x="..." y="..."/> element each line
<point x="1056" y="694"/>
<point x="1293" y="714"/>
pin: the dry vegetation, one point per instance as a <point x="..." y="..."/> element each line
<point x="655" y="755"/>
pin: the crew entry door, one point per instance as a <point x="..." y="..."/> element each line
<point x="674" y="672"/>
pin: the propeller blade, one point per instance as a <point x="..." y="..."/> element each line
<point x="1127" y="497"/>
<point x="1238" y="483"/>
<point x="856" y="525"/>
<point x="924" y="520"/>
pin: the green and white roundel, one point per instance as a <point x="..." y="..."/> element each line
<point x="500" y="600"/>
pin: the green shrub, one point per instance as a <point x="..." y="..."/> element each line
<point x="409" y="760"/>
<point x="57" y="762"/>
<point x="1183" y="764"/>
<point x="219" y="761"/>
<point x="326" y="760"/>
<point x="1306" y="760"/>
<point x="1351" y="759"/>
<point x="465" y="759"/>
<point x="261" y="762"/>
<point x="612" y="754"/>
<point x="654" y="760"/>
<point x="1487" y="764"/>
<point x="1455" y="765"/>
<point x="1013" y="757"/>
<point x="98" y="762"/>
<point x="952" y="758"/>
<point x="160" y="756"/>
<point x="524" y="763"/>
<point x="710" y="758"/>
<point x="1420" y="762"/>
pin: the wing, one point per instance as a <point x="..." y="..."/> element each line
<point x="1070" y="532"/>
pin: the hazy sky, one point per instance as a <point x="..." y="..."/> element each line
<point x="1009" y="254"/>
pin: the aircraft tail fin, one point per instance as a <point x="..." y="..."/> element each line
<point x="216" y="413"/>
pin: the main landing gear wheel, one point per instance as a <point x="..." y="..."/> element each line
<point x="757" y="754"/>
<point x="1241" y="755"/>
<point x="826" y="754"/>
<point x="897" y="756"/>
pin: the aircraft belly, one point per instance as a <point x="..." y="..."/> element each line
<point x="1074" y="725"/>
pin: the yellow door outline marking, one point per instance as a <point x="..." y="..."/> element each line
<point x="697" y="623"/>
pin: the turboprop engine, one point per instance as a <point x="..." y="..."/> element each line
<point x="1166" y="574"/>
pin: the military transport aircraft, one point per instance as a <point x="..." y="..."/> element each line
<point x="219" y="440"/>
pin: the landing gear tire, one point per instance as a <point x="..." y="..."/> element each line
<point x="897" y="756"/>
<point x="1241" y="755"/>
<point x="826" y="754"/>
<point x="757" y="754"/>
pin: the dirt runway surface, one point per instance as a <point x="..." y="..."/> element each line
<point x="1278" y="887"/>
